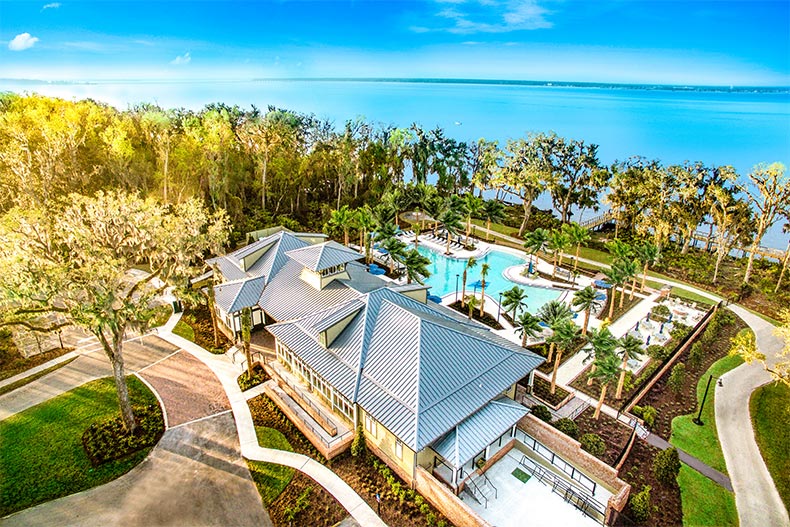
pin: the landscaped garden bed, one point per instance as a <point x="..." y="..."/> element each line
<point x="614" y="433"/>
<point x="543" y="350"/>
<point x="399" y="507"/>
<point x="259" y="376"/>
<point x="541" y="389"/>
<point x="198" y="318"/>
<point x="12" y="362"/>
<point x="107" y="440"/>
<point x="486" y="319"/>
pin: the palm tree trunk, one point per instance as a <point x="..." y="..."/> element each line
<point x="448" y="243"/>
<point x="468" y="227"/>
<point x="463" y="289"/>
<point x="554" y="372"/>
<point x="621" y="380"/>
<point x="644" y="278"/>
<point x="524" y="340"/>
<point x="576" y="263"/>
<point x="345" y="237"/>
<point x="633" y="288"/>
<point x="613" y="290"/>
<point x="482" y="296"/>
<point x="488" y="229"/>
<point x="586" y="319"/>
<point x="622" y="297"/>
<point x="590" y="379"/>
<point x="600" y="402"/>
<point x="551" y="352"/>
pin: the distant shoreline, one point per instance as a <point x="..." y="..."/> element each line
<point x="406" y="80"/>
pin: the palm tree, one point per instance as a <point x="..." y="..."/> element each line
<point x="630" y="348"/>
<point x="614" y="276"/>
<point x="365" y="222"/>
<point x="341" y="219"/>
<point x="536" y="241"/>
<point x="563" y="337"/>
<point x="527" y="325"/>
<point x="493" y="211"/>
<point x="578" y="236"/>
<point x="558" y="244"/>
<point x="513" y="300"/>
<point x="421" y="194"/>
<point x="785" y="230"/>
<point x="451" y="221"/>
<point x="607" y="367"/>
<point x="416" y="266"/>
<point x="647" y="254"/>
<point x="586" y="300"/>
<point x="553" y="313"/>
<point x="472" y="301"/>
<point x="602" y="342"/>
<point x="483" y="273"/>
<point x="396" y="250"/>
<point x="629" y="268"/>
<point x="473" y="206"/>
<point x="470" y="264"/>
<point x="619" y="249"/>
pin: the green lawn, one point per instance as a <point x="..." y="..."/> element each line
<point x="41" y="454"/>
<point x="182" y="329"/>
<point x="271" y="479"/>
<point x="705" y="503"/>
<point x="702" y="442"/>
<point x="770" y="408"/>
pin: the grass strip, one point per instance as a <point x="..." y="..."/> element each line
<point x="705" y="503"/>
<point x="770" y="409"/>
<point x="702" y="442"/>
<point x="30" y="378"/>
<point x="270" y="478"/>
<point x="182" y="329"/>
<point x="41" y="453"/>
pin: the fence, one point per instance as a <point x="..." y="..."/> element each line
<point x="555" y="460"/>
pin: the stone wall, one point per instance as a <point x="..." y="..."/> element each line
<point x="572" y="452"/>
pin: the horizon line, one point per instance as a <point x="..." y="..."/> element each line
<point x="423" y="80"/>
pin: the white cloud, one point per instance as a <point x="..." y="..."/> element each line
<point x="182" y="59"/>
<point x="22" y="41"/>
<point x="492" y="16"/>
<point x="53" y="5"/>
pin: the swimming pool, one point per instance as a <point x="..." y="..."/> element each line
<point x="443" y="271"/>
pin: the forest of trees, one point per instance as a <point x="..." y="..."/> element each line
<point x="277" y="166"/>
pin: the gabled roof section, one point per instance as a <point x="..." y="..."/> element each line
<point x="235" y="296"/>
<point x="416" y="370"/>
<point x="473" y="434"/>
<point x="264" y="257"/>
<point x="324" y="255"/>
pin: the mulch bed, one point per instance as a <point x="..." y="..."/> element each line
<point x="358" y="473"/>
<point x="619" y="311"/>
<point x="322" y="509"/>
<point x="543" y="350"/>
<point x="638" y="471"/>
<point x="614" y="433"/>
<point x="12" y="362"/>
<point x="541" y="389"/>
<point x="486" y="319"/>
<point x="199" y="319"/>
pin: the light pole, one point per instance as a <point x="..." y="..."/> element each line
<point x="697" y="420"/>
<point x="456" y="286"/>
<point x="499" y="308"/>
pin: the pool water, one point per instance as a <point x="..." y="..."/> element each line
<point x="443" y="282"/>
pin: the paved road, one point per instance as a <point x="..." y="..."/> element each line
<point x="195" y="476"/>
<point x="138" y="353"/>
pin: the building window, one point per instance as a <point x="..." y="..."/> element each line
<point x="370" y="425"/>
<point x="399" y="449"/>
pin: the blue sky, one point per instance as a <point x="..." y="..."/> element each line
<point x="674" y="42"/>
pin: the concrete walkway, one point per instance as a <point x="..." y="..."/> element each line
<point x="250" y="449"/>
<point x="195" y="476"/>
<point x="756" y="497"/>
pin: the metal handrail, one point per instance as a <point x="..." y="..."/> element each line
<point x="475" y="491"/>
<point x="569" y="491"/>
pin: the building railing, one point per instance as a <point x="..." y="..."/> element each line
<point x="558" y="462"/>
<point x="568" y="491"/>
<point x="330" y="428"/>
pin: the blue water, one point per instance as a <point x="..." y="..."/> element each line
<point x="444" y="270"/>
<point x="740" y="128"/>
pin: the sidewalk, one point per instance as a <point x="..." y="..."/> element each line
<point x="250" y="449"/>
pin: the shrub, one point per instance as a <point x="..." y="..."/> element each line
<point x="696" y="355"/>
<point x="593" y="444"/>
<point x="541" y="412"/>
<point x="649" y="414"/>
<point x="677" y="377"/>
<point x="661" y="311"/>
<point x="679" y="331"/>
<point x="666" y="466"/>
<point x="640" y="504"/>
<point x="657" y="352"/>
<point x="358" y="445"/>
<point x="567" y="427"/>
<point x="107" y="440"/>
<point x="258" y="376"/>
